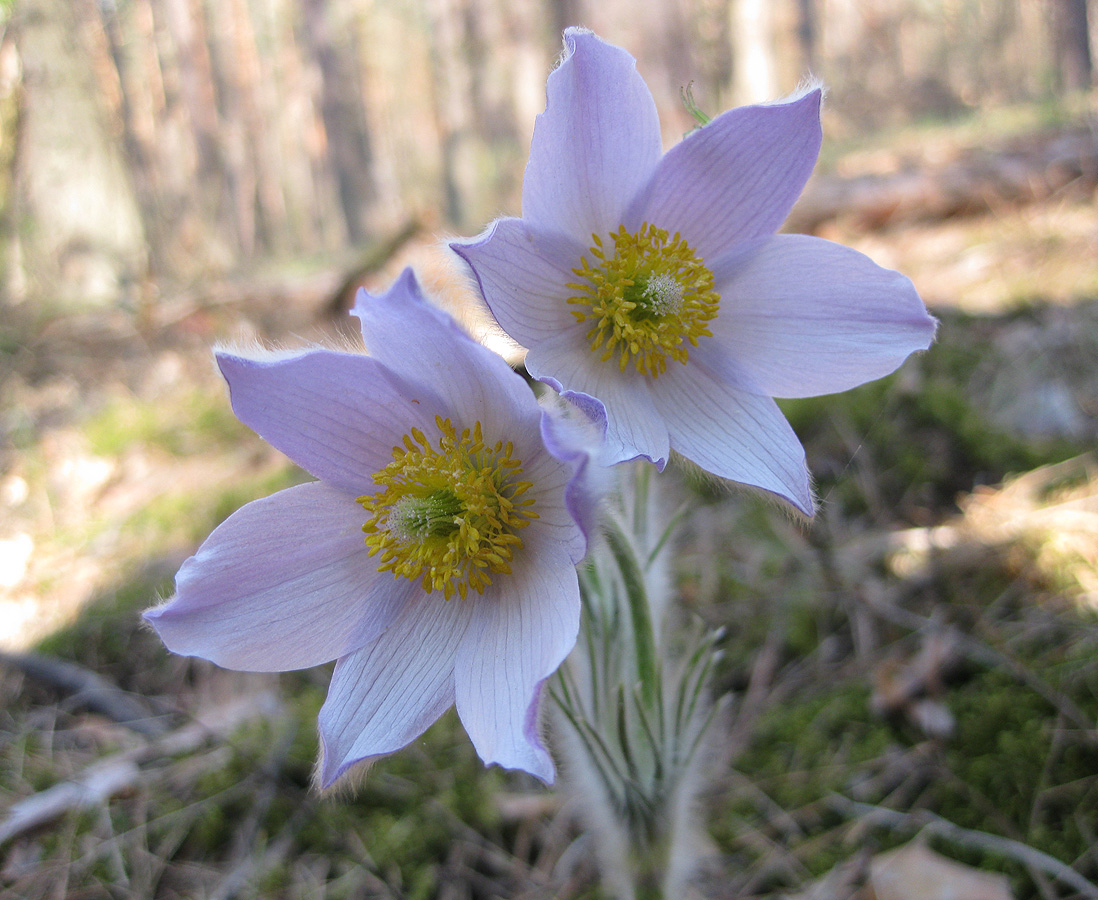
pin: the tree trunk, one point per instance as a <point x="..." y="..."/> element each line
<point x="451" y="89"/>
<point x="754" y="75"/>
<point x="807" y="34"/>
<point x="562" y="14"/>
<point x="193" y="164"/>
<point x="128" y="79"/>
<point x="1071" y="44"/>
<point x="349" y="147"/>
<point x="77" y="227"/>
<point x="253" y="75"/>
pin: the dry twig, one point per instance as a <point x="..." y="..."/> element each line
<point x="89" y="690"/>
<point x="924" y="820"/>
<point x="122" y="772"/>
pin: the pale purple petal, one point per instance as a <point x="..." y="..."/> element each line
<point x="577" y="439"/>
<point x="284" y="583"/>
<point x="633" y="425"/>
<point x="337" y="415"/>
<point x="736" y="178"/>
<point x="733" y="433"/>
<point x="397" y="323"/>
<point x="523" y="277"/>
<point x="595" y="145"/>
<point x="425" y="346"/>
<point x="386" y="694"/>
<point x="522" y="629"/>
<point x="556" y="527"/>
<point x="805" y="316"/>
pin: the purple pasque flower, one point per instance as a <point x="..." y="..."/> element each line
<point x="434" y="557"/>
<point x="654" y="283"/>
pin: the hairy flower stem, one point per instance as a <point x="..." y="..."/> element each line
<point x="640" y="613"/>
<point x="634" y="702"/>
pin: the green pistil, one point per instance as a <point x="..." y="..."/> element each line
<point x="438" y="514"/>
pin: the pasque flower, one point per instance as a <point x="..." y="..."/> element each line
<point x="652" y="287"/>
<point x="434" y="557"/>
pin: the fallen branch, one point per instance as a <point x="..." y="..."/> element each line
<point x="924" y="820"/>
<point x="1027" y="170"/>
<point x="121" y="773"/>
<point x="89" y="690"/>
<point x="97" y="784"/>
<point x="372" y="260"/>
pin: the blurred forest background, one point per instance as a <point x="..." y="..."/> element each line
<point x="150" y="139"/>
<point x="920" y="662"/>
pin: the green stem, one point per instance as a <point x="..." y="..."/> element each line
<point x="636" y="593"/>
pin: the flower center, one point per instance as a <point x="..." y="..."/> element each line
<point x="448" y="517"/>
<point x="647" y="301"/>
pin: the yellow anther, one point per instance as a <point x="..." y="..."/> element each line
<point x="647" y="301"/>
<point x="447" y="516"/>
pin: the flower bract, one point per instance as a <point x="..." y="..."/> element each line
<point x="434" y="557"/>
<point x="652" y="287"/>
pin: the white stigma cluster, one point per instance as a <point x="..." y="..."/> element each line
<point x="663" y="294"/>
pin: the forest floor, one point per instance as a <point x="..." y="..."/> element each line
<point x="913" y="677"/>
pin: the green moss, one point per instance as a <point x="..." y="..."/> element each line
<point x="1012" y="767"/>
<point x="804" y="750"/>
<point x="1010" y="764"/>
<point x="406" y="811"/>
<point x="807" y="748"/>
<point x="192" y="423"/>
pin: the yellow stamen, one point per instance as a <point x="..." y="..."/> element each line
<point x="648" y="300"/>
<point x="448" y="517"/>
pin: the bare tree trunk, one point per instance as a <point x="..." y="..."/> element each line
<point x="268" y="200"/>
<point x="79" y="233"/>
<point x="12" y="272"/>
<point x="807" y="34"/>
<point x="194" y="164"/>
<point x="754" y="74"/>
<point x="563" y="13"/>
<point x="1071" y="43"/>
<point x="133" y="89"/>
<point x="349" y="146"/>
<point x="187" y="23"/>
<point x="450" y="88"/>
<point x="312" y="205"/>
<point x="230" y="74"/>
